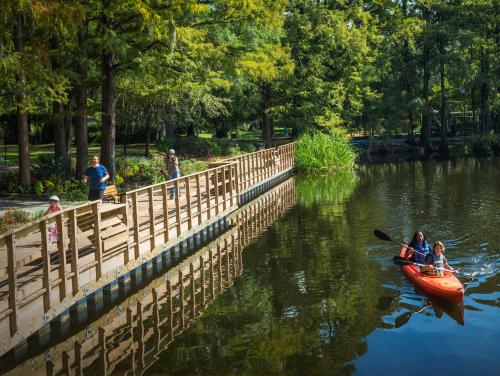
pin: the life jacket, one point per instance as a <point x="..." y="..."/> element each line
<point x="437" y="262"/>
<point x="423" y="250"/>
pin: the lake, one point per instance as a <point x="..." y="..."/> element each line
<point x="310" y="290"/>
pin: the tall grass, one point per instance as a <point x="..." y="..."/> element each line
<point x="324" y="152"/>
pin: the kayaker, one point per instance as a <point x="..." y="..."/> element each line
<point x="418" y="247"/>
<point x="436" y="259"/>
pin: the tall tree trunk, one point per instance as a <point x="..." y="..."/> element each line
<point x="147" y="150"/>
<point x="425" y="134"/>
<point x="80" y="118"/>
<point x="443" y="148"/>
<point x="58" y="121"/>
<point x="473" y="106"/>
<point x="22" y="116"/>
<point x="68" y="132"/>
<point x="407" y="77"/>
<point x="59" y="134"/>
<point x="267" y="127"/>
<point x="108" y="109"/>
<point x="485" y="120"/>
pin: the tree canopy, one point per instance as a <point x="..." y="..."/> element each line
<point x="168" y="66"/>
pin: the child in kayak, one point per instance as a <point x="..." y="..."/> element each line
<point x="437" y="260"/>
<point x="418" y="247"/>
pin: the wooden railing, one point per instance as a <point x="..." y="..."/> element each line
<point x="97" y="242"/>
<point x="130" y="339"/>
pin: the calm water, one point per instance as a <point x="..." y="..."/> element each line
<point x="317" y="294"/>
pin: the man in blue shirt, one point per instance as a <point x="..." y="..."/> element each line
<point x="97" y="174"/>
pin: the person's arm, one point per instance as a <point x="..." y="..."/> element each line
<point x="446" y="265"/>
<point x="106" y="177"/>
<point x="85" y="178"/>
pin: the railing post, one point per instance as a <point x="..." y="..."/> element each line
<point x="151" y="218"/>
<point x="177" y="206"/>
<point x="198" y="198"/>
<point x="238" y="173"/>
<point x="224" y="186"/>
<point x="231" y="184"/>
<point x="207" y="191"/>
<point x="45" y="266"/>
<point x="216" y="190"/>
<point x="62" y="255"/>
<point x="135" y="219"/>
<point x="164" y="193"/>
<point x="12" y="275"/>
<point x="97" y="236"/>
<point x="73" y="229"/>
<point x="188" y="203"/>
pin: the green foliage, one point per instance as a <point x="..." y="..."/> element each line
<point x="13" y="217"/>
<point x="37" y="214"/>
<point x="324" y="152"/>
<point x="203" y="147"/>
<point x="483" y="145"/>
<point x="144" y="170"/>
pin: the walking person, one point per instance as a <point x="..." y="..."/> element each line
<point x="98" y="175"/>
<point x="172" y="168"/>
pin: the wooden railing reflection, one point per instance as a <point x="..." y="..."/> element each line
<point x="130" y="339"/>
<point x="97" y="242"/>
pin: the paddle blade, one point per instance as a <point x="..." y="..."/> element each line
<point x="381" y="235"/>
<point x="402" y="319"/>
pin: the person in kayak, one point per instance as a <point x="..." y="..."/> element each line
<point x="418" y="247"/>
<point x="436" y="259"/>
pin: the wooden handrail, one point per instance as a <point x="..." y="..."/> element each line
<point x="172" y="180"/>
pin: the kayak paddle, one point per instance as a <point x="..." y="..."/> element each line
<point x="383" y="236"/>
<point x="398" y="260"/>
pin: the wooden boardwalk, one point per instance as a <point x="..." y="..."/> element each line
<point x="129" y="339"/>
<point x="98" y="242"/>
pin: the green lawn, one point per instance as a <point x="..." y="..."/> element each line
<point x="37" y="150"/>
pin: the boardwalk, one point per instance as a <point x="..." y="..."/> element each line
<point x="130" y="337"/>
<point x="98" y="242"/>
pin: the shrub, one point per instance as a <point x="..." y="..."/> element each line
<point x="324" y="152"/>
<point x="13" y="217"/>
<point x="483" y="145"/>
<point x="148" y="170"/>
<point x="203" y="147"/>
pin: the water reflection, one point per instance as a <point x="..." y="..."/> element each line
<point x="128" y="339"/>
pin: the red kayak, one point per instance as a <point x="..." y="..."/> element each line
<point x="447" y="286"/>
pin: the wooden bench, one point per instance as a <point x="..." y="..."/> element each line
<point x="111" y="194"/>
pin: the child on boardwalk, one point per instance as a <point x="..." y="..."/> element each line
<point x="53" y="208"/>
